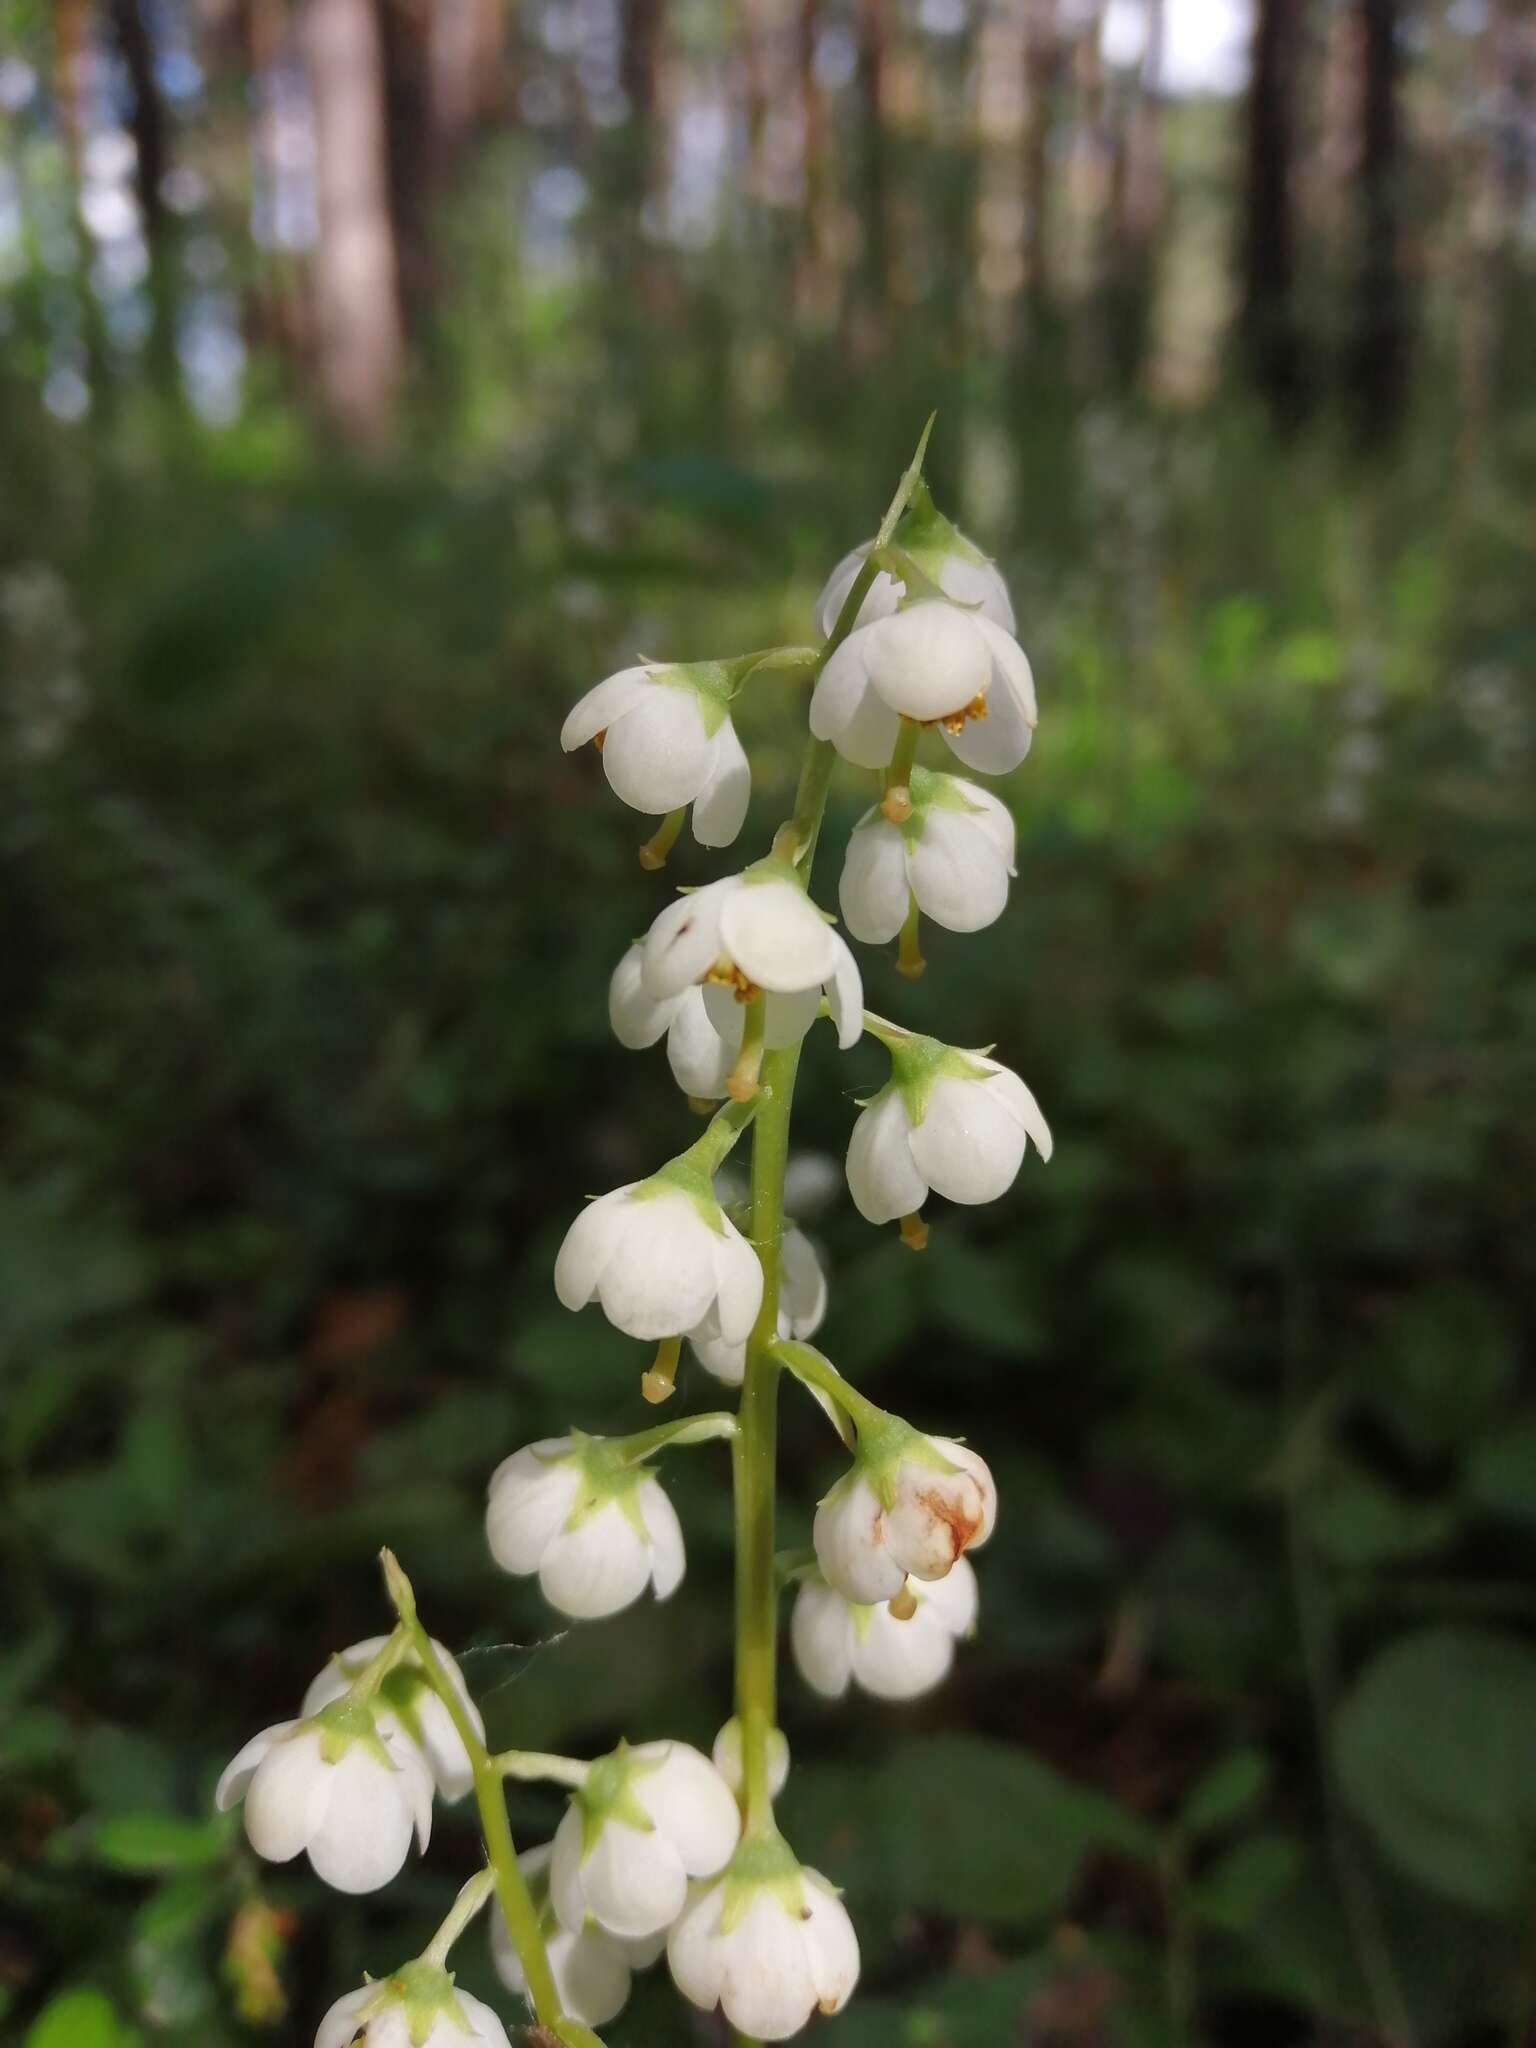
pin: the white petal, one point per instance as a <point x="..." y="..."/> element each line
<point x="739" y="1285"/>
<point x="846" y="708"/>
<point x="590" y="1971"/>
<point x="658" y="755"/>
<point x="958" y="877"/>
<point x="241" y="1768"/>
<point x="821" y="1636"/>
<point x="872" y="892"/>
<point x="634" y="1883"/>
<point x="777" y="936"/>
<point x="883" y="596"/>
<point x="1006" y="1086"/>
<point x="769" y="1991"/>
<point x="802" y="1284"/>
<point x="977" y="1466"/>
<point x="845" y="998"/>
<point x="690" y="1803"/>
<point x="486" y="2030"/>
<point x="899" y="1660"/>
<point x="338" y="1674"/>
<point x="446" y="1756"/>
<point x="934" y="1517"/>
<point x="287" y="1797"/>
<point x="977" y="583"/>
<point x="720" y="808"/>
<point x="928" y="661"/>
<point x="661" y="1279"/>
<point x="597" y="1568"/>
<point x="636" y="1019"/>
<point x="668" y="1557"/>
<point x="565" y="1856"/>
<point x="701" y="1058"/>
<point x="339" y="2027"/>
<point x="727" y="1759"/>
<point x="365" y="1835"/>
<point x="1013" y="672"/>
<point x="989" y="814"/>
<point x="695" y="1950"/>
<point x="728" y="1362"/>
<point x="529" y="1501"/>
<point x="602" y="706"/>
<point x="968" y="1146"/>
<point x="850" y="1538"/>
<point x="882" y="1177"/>
<point x="953" y="1600"/>
<point x="997" y="743"/>
<point x="589" y="1244"/>
<point x="787" y="1018"/>
<point x="830" y="1943"/>
<point x="684" y="941"/>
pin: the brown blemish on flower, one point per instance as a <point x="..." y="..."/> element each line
<point x="599" y="737"/>
<point x="944" y="1507"/>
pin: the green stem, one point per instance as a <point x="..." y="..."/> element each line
<point x="472" y="1897"/>
<point x="692" y="1429"/>
<point x="538" y="1766"/>
<point x="512" y="1894"/>
<point x="817" y="1370"/>
<point x="899" y="769"/>
<point x="712" y="1148"/>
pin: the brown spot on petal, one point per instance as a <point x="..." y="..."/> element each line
<point x="599" y="737"/>
<point x="943" y="1507"/>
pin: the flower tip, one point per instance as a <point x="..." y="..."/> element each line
<point x="650" y="859"/>
<point x="896" y="804"/>
<point x="903" y="1605"/>
<point x="656" y="1387"/>
<point x="914" y="1233"/>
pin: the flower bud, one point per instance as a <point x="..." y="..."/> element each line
<point x="645" y="1821"/>
<point x="953" y="854"/>
<point x="592" y="1970"/>
<point x="337" y="1786"/>
<point x="911" y="1508"/>
<point x="663" y="1259"/>
<point x="802" y="1305"/>
<point x="668" y="741"/>
<point x="769" y="1943"/>
<point x="406" y="1708"/>
<point x="417" y="2007"/>
<point x="837" y="1641"/>
<point x="940" y="552"/>
<point x="948" y="1120"/>
<point x="728" y="1759"/>
<point x="595" y="1528"/>
<point x="938" y="666"/>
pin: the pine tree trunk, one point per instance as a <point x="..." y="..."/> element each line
<point x="1378" y="370"/>
<point x="1269" y="327"/>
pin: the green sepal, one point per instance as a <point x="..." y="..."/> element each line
<point x="917" y="1063"/>
<point x="609" y="1794"/>
<point x="684" y="1176"/>
<point x="931" y="790"/>
<point x="886" y="1444"/>
<point x="606" y="1475"/>
<point x="346" y="1722"/>
<point x="714" y="683"/>
<point x="427" y="1993"/>
<point x="929" y="538"/>
<point x="762" y="1863"/>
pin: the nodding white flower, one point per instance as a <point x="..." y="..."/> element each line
<point x="940" y="552"/>
<point x="913" y="1508"/>
<point x="802" y="1305"/>
<point x="645" y="1821"/>
<point x="948" y="1120"/>
<point x="596" y="1529"/>
<point x="769" y="1943"/>
<point x="937" y="666"/>
<point x="838" y="1641"/>
<point x="953" y="855"/>
<point x="728" y="1759"/>
<point x="701" y="1058"/>
<point x="417" y="2007"/>
<point x="663" y="1258"/>
<point x="592" y="1970"/>
<point x="667" y="740"/>
<point x="405" y="1705"/>
<point x="751" y="934"/>
<point x="338" y="1786"/>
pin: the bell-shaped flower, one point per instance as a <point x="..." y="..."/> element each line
<point x="663" y="1259"/>
<point x="406" y="1707"/>
<point x="938" y="666"/>
<point x="645" y="1821"/>
<point x="336" y="1786"/>
<point x="911" y="1506"/>
<point x="940" y="552"/>
<point x="727" y="1758"/>
<point x="952" y="856"/>
<point x="701" y="1058"/>
<point x="769" y="1944"/>
<point x="838" y="1641"/>
<point x="417" y="2007"/>
<point x="948" y="1120"/>
<point x="752" y="934"/>
<point x="596" y="1527"/>
<point x="802" y="1306"/>
<point x="591" y="1969"/>
<point x="667" y="740"/>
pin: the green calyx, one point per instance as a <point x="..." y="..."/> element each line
<point x="929" y="538"/>
<point x="930" y="790"/>
<point x="607" y="1475"/>
<point x="884" y="1447"/>
<point x="762" y="1863"/>
<point x="684" y="1176"/>
<point x="714" y="683"/>
<point x="427" y="1995"/>
<point x="608" y="1794"/>
<point x="344" y="1723"/>
<point x="918" y="1063"/>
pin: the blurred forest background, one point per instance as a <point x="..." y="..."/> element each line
<point x="374" y="376"/>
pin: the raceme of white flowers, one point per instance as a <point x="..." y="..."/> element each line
<point x="660" y="1848"/>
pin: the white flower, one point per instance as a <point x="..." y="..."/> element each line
<point x="756" y="932"/>
<point x="837" y="1640"/>
<point x="940" y="551"/>
<point x="948" y="1120"/>
<point x="406" y="1706"/>
<point x="663" y="1258"/>
<point x="595" y="1529"/>
<point x="915" y="1511"/>
<point x="953" y="855"/>
<point x="644" y="1822"/>
<point x="419" y="2007"/>
<point x="592" y="1970"/>
<point x="337" y="1786"/>
<point x="802" y="1305"/>
<point x="701" y="1058"/>
<point x="937" y="666"/>
<point x="727" y="1758"/>
<point x="768" y="1950"/>
<point x="667" y="740"/>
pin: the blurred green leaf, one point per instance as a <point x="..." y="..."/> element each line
<point x="80" y="2019"/>
<point x="1227" y="1793"/>
<point x="152" y="1842"/>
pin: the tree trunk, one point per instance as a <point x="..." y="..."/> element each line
<point x="1042" y="62"/>
<point x="1269" y="329"/>
<point x="151" y="161"/>
<point x="357" y="313"/>
<point x="1378" y="370"/>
